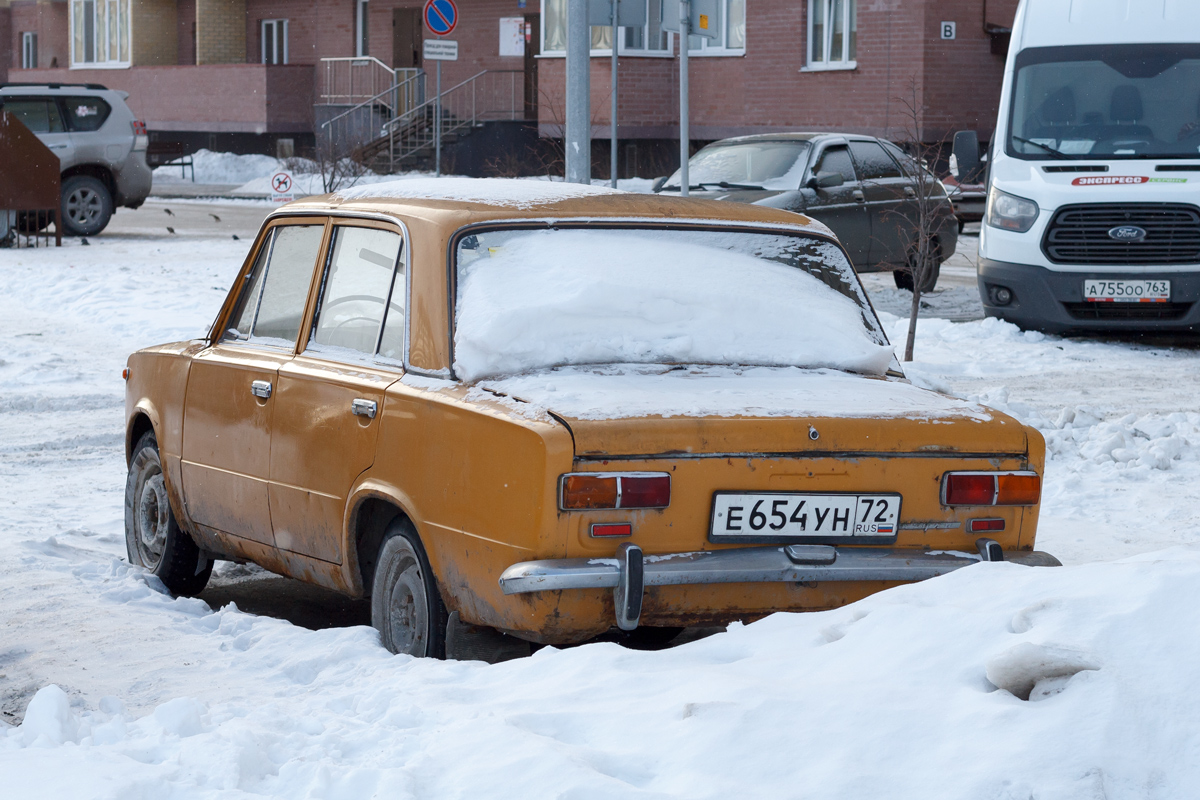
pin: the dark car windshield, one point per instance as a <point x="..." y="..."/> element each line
<point x="1115" y="101"/>
<point x="769" y="165"/>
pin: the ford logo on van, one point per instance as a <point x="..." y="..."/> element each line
<point x="1127" y="233"/>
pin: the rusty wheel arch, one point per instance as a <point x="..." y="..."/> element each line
<point x="369" y="522"/>
<point x="139" y="425"/>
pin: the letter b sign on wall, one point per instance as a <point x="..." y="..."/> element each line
<point x="949" y="30"/>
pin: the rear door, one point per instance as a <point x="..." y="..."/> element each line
<point x="330" y="397"/>
<point x="43" y="117"/>
<point x="230" y="401"/>
<point x="843" y="208"/>
<point x="889" y="195"/>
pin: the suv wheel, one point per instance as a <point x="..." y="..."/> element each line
<point x="87" y="206"/>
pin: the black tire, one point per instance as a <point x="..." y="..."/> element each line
<point x="153" y="538"/>
<point x="87" y="206"/>
<point x="904" y="279"/>
<point x="406" y="606"/>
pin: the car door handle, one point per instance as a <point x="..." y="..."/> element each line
<point x="858" y="195"/>
<point x="363" y="408"/>
<point x="59" y="146"/>
<point x="261" y="389"/>
<point x="909" y="192"/>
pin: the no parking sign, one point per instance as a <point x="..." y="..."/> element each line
<point x="441" y="16"/>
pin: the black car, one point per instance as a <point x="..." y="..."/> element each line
<point x="863" y="188"/>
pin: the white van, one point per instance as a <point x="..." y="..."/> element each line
<point x="1093" y="212"/>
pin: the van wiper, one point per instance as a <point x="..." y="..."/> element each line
<point x="728" y="185"/>
<point x="1046" y="147"/>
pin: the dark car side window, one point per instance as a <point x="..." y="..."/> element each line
<point x="39" y="114"/>
<point x="85" y="113"/>
<point x="837" y="159"/>
<point x="872" y="162"/>
<point x="902" y="158"/>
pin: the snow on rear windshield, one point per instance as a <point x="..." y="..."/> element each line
<point x="531" y="299"/>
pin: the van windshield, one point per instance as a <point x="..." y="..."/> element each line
<point x="1111" y="101"/>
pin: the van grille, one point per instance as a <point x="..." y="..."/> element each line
<point x="1127" y="310"/>
<point x="1079" y="234"/>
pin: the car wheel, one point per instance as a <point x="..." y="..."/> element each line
<point x="904" y="277"/>
<point x="406" y="607"/>
<point x="153" y="538"/>
<point x="86" y="206"/>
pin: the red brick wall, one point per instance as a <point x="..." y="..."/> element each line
<point x="50" y="21"/>
<point x="6" y="43"/>
<point x="306" y="25"/>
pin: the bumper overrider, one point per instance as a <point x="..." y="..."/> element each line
<point x="631" y="571"/>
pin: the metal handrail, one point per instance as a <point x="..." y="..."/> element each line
<point x="431" y="101"/>
<point x="339" y="84"/>
<point x="375" y="100"/>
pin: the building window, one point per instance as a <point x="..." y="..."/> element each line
<point x="361" y="28"/>
<point x="99" y="33"/>
<point x="731" y="32"/>
<point x="274" y="41"/>
<point x="832" y="34"/>
<point x="29" y="50"/>
<point x="647" y="40"/>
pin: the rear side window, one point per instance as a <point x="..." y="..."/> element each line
<point x="39" y="114"/>
<point x="85" y="113"/>
<point x="837" y="159"/>
<point x="357" y="288"/>
<point x="872" y="162"/>
<point x="272" y="306"/>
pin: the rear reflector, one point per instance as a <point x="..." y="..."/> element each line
<point x="583" y="490"/>
<point x="612" y="529"/>
<point x="985" y="525"/>
<point x="991" y="489"/>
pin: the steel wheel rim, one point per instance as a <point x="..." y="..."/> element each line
<point x="408" y="610"/>
<point x="83" y="206"/>
<point x="152" y="518"/>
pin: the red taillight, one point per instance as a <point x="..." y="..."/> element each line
<point x="985" y="525"/>
<point x="581" y="491"/>
<point x="139" y="127"/>
<point x="612" y="529"/>
<point x="991" y="489"/>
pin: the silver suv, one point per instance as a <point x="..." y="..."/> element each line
<point x="99" y="144"/>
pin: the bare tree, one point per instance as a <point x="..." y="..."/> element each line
<point x="925" y="210"/>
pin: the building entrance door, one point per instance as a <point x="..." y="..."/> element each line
<point x="406" y="38"/>
<point x="533" y="47"/>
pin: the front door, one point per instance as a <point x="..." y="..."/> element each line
<point x="331" y="396"/>
<point x="229" y="403"/>
<point x="843" y="208"/>
<point x="406" y="38"/>
<point x="890" y="203"/>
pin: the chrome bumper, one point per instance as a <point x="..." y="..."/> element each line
<point x="631" y="571"/>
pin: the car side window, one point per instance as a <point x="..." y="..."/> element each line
<point x="872" y="162"/>
<point x="39" y="114"/>
<point x="903" y="159"/>
<point x="358" y="288"/>
<point x="272" y="314"/>
<point x="837" y="159"/>
<point x="86" y="113"/>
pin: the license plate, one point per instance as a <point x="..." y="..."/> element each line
<point x="1127" y="291"/>
<point x="782" y="516"/>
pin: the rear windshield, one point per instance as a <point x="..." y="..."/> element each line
<point x="534" y="299"/>
<point x="85" y="113"/>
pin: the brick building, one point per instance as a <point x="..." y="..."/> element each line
<point x="241" y="74"/>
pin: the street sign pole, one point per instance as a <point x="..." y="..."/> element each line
<point x="578" y="140"/>
<point x="437" y="125"/>
<point x="612" y="121"/>
<point x="441" y="17"/>
<point x="684" y="29"/>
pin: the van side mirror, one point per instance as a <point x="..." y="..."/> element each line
<point x="966" y="157"/>
<point x="825" y="180"/>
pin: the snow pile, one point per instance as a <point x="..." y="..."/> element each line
<point x="900" y="696"/>
<point x="512" y="192"/>
<point x="226" y="168"/>
<point x="628" y="390"/>
<point x="548" y="298"/>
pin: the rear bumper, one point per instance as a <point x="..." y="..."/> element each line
<point x="793" y="564"/>
<point x="1052" y="301"/>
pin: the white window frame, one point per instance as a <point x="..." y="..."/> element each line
<point x="849" y="24"/>
<point x="29" y="53"/>
<point x="707" y="48"/>
<point x="102" y="33"/>
<point x="274" y="24"/>
<point x="362" y="28"/>
<point x="605" y="52"/>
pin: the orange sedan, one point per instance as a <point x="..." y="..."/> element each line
<point x="538" y="412"/>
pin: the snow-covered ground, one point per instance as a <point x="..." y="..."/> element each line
<point x="135" y="694"/>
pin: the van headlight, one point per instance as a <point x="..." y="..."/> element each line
<point x="1009" y="212"/>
